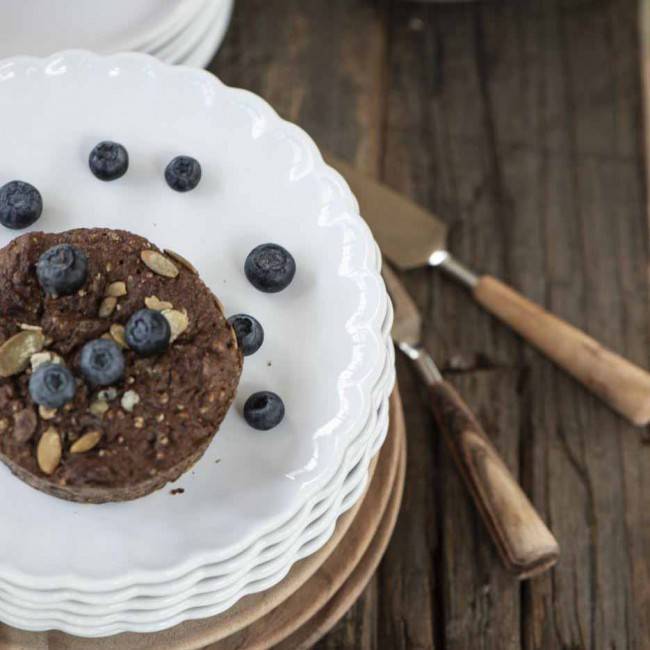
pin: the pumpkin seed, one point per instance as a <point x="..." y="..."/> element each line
<point x="33" y="328"/>
<point x="107" y="306"/>
<point x="16" y="351"/>
<point x="117" y="334"/>
<point x="98" y="407"/>
<point x="178" y="322"/>
<point x="39" y="358"/>
<point x="129" y="400"/>
<point x="46" y="413"/>
<point x="153" y="302"/>
<point x="116" y="289"/>
<point x="86" y="442"/>
<point x="181" y="260"/>
<point x="48" y="451"/>
<point x="159" y="264"/>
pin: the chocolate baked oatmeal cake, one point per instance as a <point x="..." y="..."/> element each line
<point x="117" y="364"/>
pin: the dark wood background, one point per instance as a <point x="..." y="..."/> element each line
<point x="520" y="124"/>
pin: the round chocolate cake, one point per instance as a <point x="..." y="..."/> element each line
<point x="117" y="364"/>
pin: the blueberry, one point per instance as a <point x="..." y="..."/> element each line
<point x="147" y="332"/>
<point x="108" y="161"/>
<point x="263" y="410"/>
<point x="62" y="269"/>
<point x="183" y="173"/>
<point x="102" y="362"/>
<point x="250" y="334"/>
<point x="270" y="268"/>
<point x="52" y="385"/>
<point x="20" y="205"/>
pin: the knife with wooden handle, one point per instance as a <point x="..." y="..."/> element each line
<point x="525" y="544"/>
<point x="410" y="237"/>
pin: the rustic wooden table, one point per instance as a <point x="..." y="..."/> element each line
<point x="520" y="124"/>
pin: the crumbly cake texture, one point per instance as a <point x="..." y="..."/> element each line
<point x="123" y="441"/>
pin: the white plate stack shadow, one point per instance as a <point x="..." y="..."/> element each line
<point x="187" y="32"/>
<point x="257" y="501"/>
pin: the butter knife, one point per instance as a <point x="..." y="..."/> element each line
<point x="526" y="546"/>
<point x="410" y="236"/>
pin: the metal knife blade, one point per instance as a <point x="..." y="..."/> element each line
<point x="407" y="327"/>
<point x="407" y="234"/>
<point x="407" y="322"/>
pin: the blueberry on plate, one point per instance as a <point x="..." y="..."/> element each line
<point x="20" y="205"/>
<point x="183" y="173"/>
<point x="263" y="410"/>
<point x="52" y="385"/>
<point x="108" y="161"/>
<point x="270" y="268"/>
<point x="102" y="362"/>
<point x="61" y="270"/>
<point x="147" y="332"/>
<point x="249" y="332"/>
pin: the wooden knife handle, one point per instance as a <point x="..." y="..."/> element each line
<point x="525" y="544"/>
<point x="620" y="383"/>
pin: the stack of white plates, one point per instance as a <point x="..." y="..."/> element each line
<point x="176" y="31"/>
<point x="257" y="501"/>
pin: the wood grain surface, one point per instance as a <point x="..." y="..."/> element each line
<point x="520" y="124"/>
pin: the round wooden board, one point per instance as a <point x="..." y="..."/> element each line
<point x="318" y="605"/>
<point x="328" y="616"/>
<point x="252" y="609"/>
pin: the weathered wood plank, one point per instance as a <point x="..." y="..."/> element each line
<point x="438" y="149"/>
<point x="519" y="123"/>
<point x="566" y="178"/>
<point x="320" y="64"/>
<point x="358" y="628"/>
<point x="409" y="588"/>
<point x="578" y="157"/>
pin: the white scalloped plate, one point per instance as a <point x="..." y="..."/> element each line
<point x="264" y="180"/>
<point x="209" y="594"/>
<point x="194" y="608"/>
<point x="40" y="27"/>
<point x="202" y="602"/>
<point x="219" y="576"/>
<point x="215" y="577"/>
<point x="226" y="572"/>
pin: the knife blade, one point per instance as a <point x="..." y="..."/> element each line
<point x="526" y="546"/>
<point x="407" y="234"/>
<point x="410" y="236"/>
